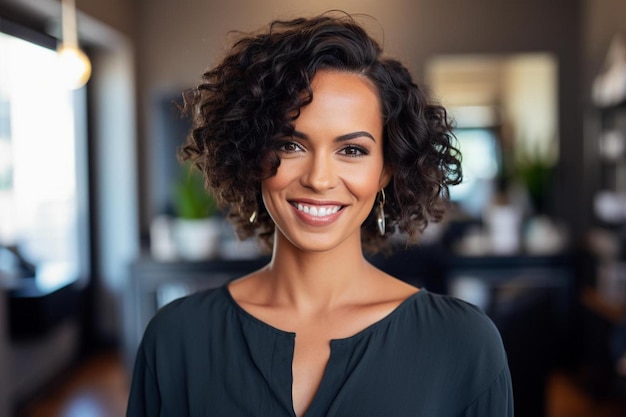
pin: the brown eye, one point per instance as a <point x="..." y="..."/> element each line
<point x="353" y="151"/>
<point x="289" y="147"/>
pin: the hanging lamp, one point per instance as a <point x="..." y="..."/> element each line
<point x="74" y="66"/>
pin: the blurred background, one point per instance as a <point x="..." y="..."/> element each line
<point x="100" y="225"/>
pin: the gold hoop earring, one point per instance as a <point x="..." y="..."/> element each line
<point x="252" y="217"/>
<point x="380" y="219"/>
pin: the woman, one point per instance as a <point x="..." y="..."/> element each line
<point x="321" y="148"/>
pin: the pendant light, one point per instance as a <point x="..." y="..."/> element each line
<point x="74" y="66"/>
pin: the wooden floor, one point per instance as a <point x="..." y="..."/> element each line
<point x="99" y="388"/>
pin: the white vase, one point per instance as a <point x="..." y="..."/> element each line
<point x="503" y="224"/>
<point x="197" y="239"/>
<point x="162" y="245"/>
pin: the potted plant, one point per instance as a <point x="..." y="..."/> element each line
<point x="196" y="225"/>
<point x="534" y="172"/>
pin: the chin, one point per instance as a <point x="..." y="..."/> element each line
<point x="317" y="243"/>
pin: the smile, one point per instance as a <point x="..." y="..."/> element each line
<point x="317" y="211"/>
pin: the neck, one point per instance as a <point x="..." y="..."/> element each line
<point x="313" y="280"/>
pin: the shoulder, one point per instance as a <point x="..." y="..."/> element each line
<point x="463" y="335"/>
<point x="184" y="316"/>
<point x="450" y="317"/>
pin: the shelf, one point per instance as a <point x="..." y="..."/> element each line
<point x="609" y="182"/>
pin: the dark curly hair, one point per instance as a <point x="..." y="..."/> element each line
<point x="255" y="93"/>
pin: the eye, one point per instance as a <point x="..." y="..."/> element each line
<point x="353" y="151"/>
<point x="289" y="147"/>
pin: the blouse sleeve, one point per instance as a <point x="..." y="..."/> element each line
<point x="144" y="399"/>
<point x="495" y="401"/>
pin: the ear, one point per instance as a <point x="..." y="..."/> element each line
<point x="385" y="177"/>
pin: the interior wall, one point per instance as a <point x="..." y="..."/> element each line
<point x="115" y="14"/>
<point x="119" y="15"/>
<point x="177" y="41"/>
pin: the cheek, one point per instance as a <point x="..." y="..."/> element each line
<point x="274" y="185"/>
<point x="276" y="182"/>
<point x="363" y="184"/>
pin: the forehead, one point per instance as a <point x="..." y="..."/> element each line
<point x="344" y="82"/>
<point x="342" y="95"/>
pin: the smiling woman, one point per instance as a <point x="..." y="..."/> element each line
<point x="322" y="148"/>
<point x="332" y="166"/>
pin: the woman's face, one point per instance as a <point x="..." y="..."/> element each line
<point x="332" y="167"/>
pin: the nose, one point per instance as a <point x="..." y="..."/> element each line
<point x="321" y="173"/>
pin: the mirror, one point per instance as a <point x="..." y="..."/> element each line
<point x="505" y="110"/>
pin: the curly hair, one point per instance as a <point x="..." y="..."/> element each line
<point x="255" y="93"/>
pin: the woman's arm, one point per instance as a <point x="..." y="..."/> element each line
<point x="496" y="401"/>
<point x="144" y="399"/>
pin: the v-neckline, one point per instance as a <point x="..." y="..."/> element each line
<point x="335" y="345"/>
<point x="366" y="330"/>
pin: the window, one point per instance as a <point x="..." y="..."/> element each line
<point x="42" y="158"/>
<point x="480" y="164"/>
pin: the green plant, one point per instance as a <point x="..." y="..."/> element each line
<point x="535" y="172"/>
<point x="191" y="199"/>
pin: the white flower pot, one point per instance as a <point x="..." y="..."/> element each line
<point x="197" y="239"/>
<point x="503" y="224"/>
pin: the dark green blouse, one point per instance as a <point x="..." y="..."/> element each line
<point x="433" y="356"/>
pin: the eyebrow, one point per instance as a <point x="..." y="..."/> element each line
<point x="347" y="136"/>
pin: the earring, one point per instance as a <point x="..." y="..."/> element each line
<point x="381" y="213"/>
<point x="252" y="217"/>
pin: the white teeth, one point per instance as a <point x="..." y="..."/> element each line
<point x="318" y="211"/>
